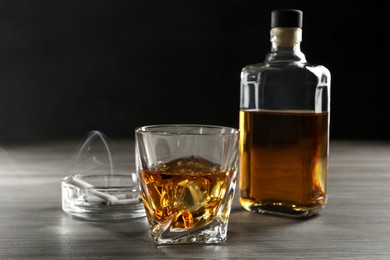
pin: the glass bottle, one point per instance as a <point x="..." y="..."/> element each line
<point x="284" y="126"/>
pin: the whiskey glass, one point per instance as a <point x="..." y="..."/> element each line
<point x="188" y="178"/>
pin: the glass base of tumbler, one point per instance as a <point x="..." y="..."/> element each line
<point x="214" y="233"/>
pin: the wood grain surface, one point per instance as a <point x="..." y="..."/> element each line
<point x="355" y="224"/>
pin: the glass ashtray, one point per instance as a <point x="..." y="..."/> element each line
<point x="102" y="196"/>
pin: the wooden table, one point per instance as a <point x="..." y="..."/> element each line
<point x="354" y="224"/>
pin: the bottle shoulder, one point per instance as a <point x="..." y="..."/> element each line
<point x="300" y="68"/>
<point x="291" y="87"/>
<point x="267" y="74"/>
<point x="263" y="66"/>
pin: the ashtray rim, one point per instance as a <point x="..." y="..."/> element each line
<point x="83" y="199"/>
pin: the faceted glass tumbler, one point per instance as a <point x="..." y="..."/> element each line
<point x="188" y="177"/>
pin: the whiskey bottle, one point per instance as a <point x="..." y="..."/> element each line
<point x="284" y="126"/>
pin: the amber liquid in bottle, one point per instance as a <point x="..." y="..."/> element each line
<point x="284" y="157"/>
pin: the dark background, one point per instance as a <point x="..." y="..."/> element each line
<point x="69" y="67"/>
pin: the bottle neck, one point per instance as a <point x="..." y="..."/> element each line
<point x="286" y="45"/>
